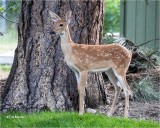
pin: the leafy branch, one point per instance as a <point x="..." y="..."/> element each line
<point x="12" y="6"/>
<point x="8" y="19"/>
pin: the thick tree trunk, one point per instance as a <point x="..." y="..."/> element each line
<point x="39" y="77"/>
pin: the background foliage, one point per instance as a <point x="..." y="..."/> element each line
<point x="11" y="6"/>
<point x="112" y="16"/>
<point x="12" y="11"/>
<point x="9" y="9"/>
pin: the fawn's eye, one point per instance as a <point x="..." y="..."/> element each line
<point x="61" y="25"/>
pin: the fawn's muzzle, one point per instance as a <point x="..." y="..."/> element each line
<point x="52" y="32"/>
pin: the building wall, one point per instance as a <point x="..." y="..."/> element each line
<point x="139" y="21"/>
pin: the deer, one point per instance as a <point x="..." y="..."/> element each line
<point x="113" y="59"/>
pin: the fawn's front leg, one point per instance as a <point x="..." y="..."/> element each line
<point x="81" y="90"/>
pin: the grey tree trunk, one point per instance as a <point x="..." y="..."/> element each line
<point x="39" y="78"/>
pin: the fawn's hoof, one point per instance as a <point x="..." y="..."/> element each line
<point x="125" y="115"/>
<point x="80" y="113"/>
<point x="90" y="110"/>
<point x="109" y="114"/>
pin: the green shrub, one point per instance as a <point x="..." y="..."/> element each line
<point x="108" y="39"/>
<point x="112" y="16"/>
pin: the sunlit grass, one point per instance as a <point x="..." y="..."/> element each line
<point x="4" y="71"/>
<point x="70" y="119"/>
<point x="5" y="68"/>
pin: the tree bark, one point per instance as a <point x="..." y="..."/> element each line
<point x="39" y="78"/>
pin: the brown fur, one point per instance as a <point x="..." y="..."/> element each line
<point x="100" y="56"/>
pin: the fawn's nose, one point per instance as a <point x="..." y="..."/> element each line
<point x="52" y="32"/>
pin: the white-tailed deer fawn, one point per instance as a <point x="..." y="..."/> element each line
<point x="113" y="59"/>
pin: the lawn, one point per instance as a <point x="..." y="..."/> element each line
<point x="70" y="119"/>
<point x="4" y="71"/>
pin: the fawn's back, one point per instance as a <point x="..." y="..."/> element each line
<point x="100" y="57"/>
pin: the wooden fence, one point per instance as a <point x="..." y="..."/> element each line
<point x="139" y="21"/>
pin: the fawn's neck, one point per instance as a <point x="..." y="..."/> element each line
<point x="66" y="44"/>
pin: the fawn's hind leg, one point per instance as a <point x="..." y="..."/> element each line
<point x="127" y="91"/>
<point x="117" y="87"/>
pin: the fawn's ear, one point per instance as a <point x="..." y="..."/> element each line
<point x="68" y="16"/>
<point x="54" y="16"/>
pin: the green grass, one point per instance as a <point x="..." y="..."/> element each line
<point x="4" y="71"/>
<point x="5" y="68"/>
<point x="70" y="119"/>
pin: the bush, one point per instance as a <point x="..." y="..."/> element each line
<point x="108" y="39"/>
<point x="112" y="16"/>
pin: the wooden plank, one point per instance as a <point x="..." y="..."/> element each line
<point x="122" y="18"/>
<point x="150" y="22"/>
<point x="140" y="22"/>
<point x="130" y="18"/>
<point x="157" y="43"/>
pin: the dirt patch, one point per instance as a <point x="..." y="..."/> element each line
<point x="3" y="75"/>
<point x="137" y="110"/>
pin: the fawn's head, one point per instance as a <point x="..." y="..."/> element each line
<point x="60" y="26"/>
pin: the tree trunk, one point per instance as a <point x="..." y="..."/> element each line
<point x="39" y="77"/>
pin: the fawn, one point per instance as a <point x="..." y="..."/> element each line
<point x="113" y="59"/>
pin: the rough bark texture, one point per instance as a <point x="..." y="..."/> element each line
<point x="39" y="77"/>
